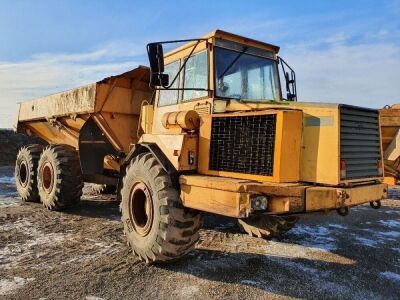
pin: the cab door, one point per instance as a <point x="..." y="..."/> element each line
<point x="192" y="84"/>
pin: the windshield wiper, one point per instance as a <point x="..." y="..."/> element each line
<point x="234" y="61"/>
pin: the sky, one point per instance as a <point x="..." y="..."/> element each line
<point x="342" y="51"/>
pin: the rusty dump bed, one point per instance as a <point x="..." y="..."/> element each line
<point x="112" y="104"/>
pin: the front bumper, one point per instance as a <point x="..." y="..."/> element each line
<point x="232" y="197"/>
<point x="327" y="198"/>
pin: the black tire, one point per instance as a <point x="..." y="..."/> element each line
<point x="60" y="179"/>
<point x="158" y="228"/>
<point x="267" y="227"/>
<point x="104" y="189"/>
<point x="26" y="167"/>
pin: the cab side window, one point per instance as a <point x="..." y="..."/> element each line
<point x="196" y="76"/>
<point x="170" y="97"/>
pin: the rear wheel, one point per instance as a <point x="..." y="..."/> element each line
<point x="158" y="228"/>
<point x="60" y="179"/>
<point x="267" y="227"/>
<point x="26" y="167"/>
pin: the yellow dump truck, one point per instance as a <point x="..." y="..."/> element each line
<point x="390" y="124"/>
<point x="212" y="126"/>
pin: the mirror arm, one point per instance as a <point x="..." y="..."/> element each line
<point x="292" y="95"/>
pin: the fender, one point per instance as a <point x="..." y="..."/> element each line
<point x="159" y="156"/>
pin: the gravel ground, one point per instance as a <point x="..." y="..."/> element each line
<point x="81" y="254"/>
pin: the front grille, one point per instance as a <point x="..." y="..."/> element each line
<point x="360" y="141"/>
<point x="243" y="144"/>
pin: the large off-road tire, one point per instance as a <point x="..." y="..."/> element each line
<point x="26" y="167"/>
<point x="60" y="179"/>
<point x="267" y="227"/>
<point x="158" y="228"/>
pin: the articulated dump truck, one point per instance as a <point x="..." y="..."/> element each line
<point x="205" y="129"/>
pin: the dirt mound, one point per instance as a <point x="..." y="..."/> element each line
<point x="11" y="142"/>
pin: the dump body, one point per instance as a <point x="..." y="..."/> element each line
<point x="113" y="104"/>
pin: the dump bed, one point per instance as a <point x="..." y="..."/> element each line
<point x="113" y="104"/>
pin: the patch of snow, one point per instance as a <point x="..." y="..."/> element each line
<point x="299" y="266"/>
<point x="9" y="286"/>
<point x="367" y="242"/>
<point x="337" y="226"/>
<point x="315" y="236"/>
<point x="390" y="234"/>
<point x="7" y="180"/>
<point x="396" y="249"/>
<point x="13" y="254"/>
<point x="6" y="202"/>
<point x="256" y="284"/>
<point x="93" y="298"/>
<point x="391" y="276"/>
<point x="390" y="223"/>
<point x="360" y="207"/>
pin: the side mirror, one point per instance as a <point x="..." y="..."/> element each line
<point x="156" y="58"/>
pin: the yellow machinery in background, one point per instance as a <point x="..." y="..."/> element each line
<point x="205" y="128"/>
<point x="390" y="124"/>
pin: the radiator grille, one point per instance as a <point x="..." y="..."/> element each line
<point x="243" y="144"/>
<point x="360" y="141"/>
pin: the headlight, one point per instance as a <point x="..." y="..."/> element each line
<point x="259" y="202"/>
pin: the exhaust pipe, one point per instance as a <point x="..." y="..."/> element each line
<point x="375" y="204"/>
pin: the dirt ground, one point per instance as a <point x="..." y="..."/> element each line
<point x="81" y="254"/>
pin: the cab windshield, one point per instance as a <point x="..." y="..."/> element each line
<point x="240" y="75"/>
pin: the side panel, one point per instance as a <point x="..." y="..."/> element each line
<point x="76" y="101"/>
<point x="179" y="149"/>
<point x="319" y="161"/>
<point x="63" y="130"/>
<point x="320" y="146"/>
<point x="118" y="111"/>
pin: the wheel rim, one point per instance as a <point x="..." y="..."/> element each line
<point x="47" y="175"/>
<point x="23" y="173"/>
<point x="141" y="208"/>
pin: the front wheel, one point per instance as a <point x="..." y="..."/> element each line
<point x="158" y="228"/>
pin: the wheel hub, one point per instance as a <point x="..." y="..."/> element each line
<point x="47" y="175"/>
<point x="141" y="208"/>
<point x="23" y="173"/>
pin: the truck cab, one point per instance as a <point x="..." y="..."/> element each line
<point x="251" y="127"/>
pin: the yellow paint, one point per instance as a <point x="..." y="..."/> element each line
<point x="187" y="120"/>
<point x="326" y="198"/>
<point x="390" y="180"/>
<point x="175" y="147"/>
<point x="231" y="197"/>
<point x="147" y="118"/>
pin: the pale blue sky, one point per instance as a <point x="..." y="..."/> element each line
<point x="342" y="51"/>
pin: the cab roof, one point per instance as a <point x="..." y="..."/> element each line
<point x="231" y="37"/>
